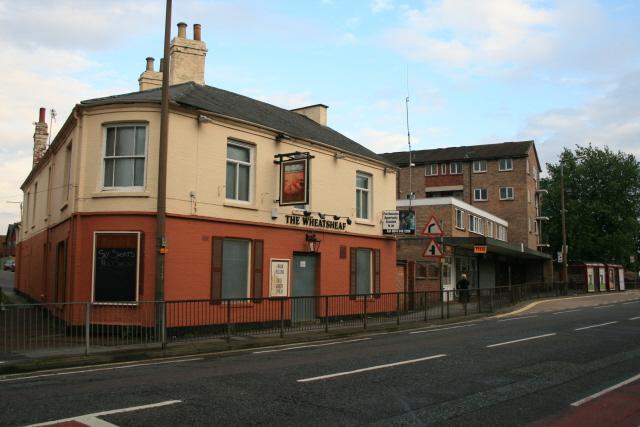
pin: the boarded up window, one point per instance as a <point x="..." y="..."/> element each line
<point x="116" y="260"/>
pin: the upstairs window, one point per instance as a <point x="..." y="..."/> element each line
<point x="443" y="169"/>
<point x="431" y="170"/>
<point x="502" y="233"/>
<point x="505" y="164"/>
<point x="480" y="195"/>
<point x="239" y="170"/>
<point x="125" y="156"/>
<point x="460" y="219"/>
<point x="506" y="193"/>
<point x="455" y="168"/>
<point x="479" y="166"/>
<point x="476" y="224"/>
<point x="363" y="196"/>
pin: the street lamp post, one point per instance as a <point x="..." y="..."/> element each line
<point x="564" y="227"/>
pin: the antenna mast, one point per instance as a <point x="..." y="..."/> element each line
<point x="406" y="103"/>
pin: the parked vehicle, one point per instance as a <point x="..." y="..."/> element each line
<point x="10" y="265"/>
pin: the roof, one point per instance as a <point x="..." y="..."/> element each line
<point x="469" y="152"/>
<point x="497" y="247"/>
<point x="233" y="105"/>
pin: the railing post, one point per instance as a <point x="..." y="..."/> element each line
<point x="163" y="324"/>
<point x="87" y="328"/>
<point x="491" y="291"/>
<point x="326" y="313"/>
<point x="426" y="305"/>
<point x="228" y="320"/>
<point x="398" y="308"/>
<point x="448" y="303"/>
<point x="441" y="303"/>
<point x="282" y="317"/>
<point x="364" y="319"/>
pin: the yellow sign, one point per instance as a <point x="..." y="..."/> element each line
<point x="480" y="249"/>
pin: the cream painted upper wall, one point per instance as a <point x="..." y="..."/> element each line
<point x="197" y="165"/>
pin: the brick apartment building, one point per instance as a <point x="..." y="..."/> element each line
<point x="486" y="195"/>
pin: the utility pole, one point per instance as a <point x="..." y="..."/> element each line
<point x="564" y="226"/>
<point x="161" y="239"/>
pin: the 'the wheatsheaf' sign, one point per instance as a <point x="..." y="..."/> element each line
<point x="315" y="222"/>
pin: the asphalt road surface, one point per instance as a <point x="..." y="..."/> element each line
<point x="525" y="369"/>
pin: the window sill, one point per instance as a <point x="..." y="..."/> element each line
<point x="459" y="228"/>
<point x="505" y="170"/>
<point x="507" y="200"/>
<point x="240" y="205"/>
<point x="364" y="222"/>
<point x="116" y="304"/>
<point x="482" y="200"/>
<point x="116" y="193"/>
<point x="479" y="171"/>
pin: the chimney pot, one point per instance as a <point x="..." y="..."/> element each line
<point x="182" y="30"/>
<point x="150" y="61"/>
<point x="42" y="113"/>
<point x="197" y="32"/>
<point x="161" y="65"/>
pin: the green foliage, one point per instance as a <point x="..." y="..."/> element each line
<point x="602" y="201"/>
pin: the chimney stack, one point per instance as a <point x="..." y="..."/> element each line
<point x="150" y="61"/>
<point x="150" y="79"/>
<point x="40" y="137"/>
<point x="187" y="56"/>
<point x="182" y="30"/>
<point x="317" y="113"/>
<point x="197" y="32"/>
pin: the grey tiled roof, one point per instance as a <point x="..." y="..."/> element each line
<point x="471" y="152"/>
<point x="240" y="107"/>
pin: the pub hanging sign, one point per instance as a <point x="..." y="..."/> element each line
<point x="294" y="178"/>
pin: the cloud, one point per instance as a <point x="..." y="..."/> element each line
<point x="381" y="5"/>
<point x="609" y="120"/>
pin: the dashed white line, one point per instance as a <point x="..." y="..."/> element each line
<point x="604" y="306"/>
<point x="517" y="318"/>
<point x="635" y="318"/>
<point x="441" y="329"/>
<point x="567" y="311"/>
<point x="310" y="346"/>
<point x="111" y="368"/>
<point x="370" y="368"/>
<point x="596" y="326"/>
<point x="631" y="302"/>
<point x="94" y="416"/>
<point x="606" y="390"/>
<point x="522" y="339"/>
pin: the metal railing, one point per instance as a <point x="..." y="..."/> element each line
<point x="83" y="328"/>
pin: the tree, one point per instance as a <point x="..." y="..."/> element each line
<point x="602" y="200"/>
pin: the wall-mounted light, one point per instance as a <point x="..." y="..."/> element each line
<point x="338" y="155"/>
<point x="307" y="213"/>
<point x="313" y="243"/>
<point x="321" y="215"/>
<point x="282" y="137"/>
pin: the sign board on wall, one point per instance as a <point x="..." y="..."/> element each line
<point x="279" y="278"/>
<point x="294" y="182"/>
<point x="480" y="249"/>
<point x="398" y="222"/>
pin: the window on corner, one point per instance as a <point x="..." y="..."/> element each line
<point x="239" y="171"/>
<point x="363" y="196"/>
<point x="505" y="164"/>
<point x="125" y="156"/>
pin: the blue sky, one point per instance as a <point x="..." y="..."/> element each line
<point x="560" y="72"/>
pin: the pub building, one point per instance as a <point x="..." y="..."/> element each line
<point x="261" y="202"/>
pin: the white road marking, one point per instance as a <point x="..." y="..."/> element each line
<point x="604" y="306"/>
<point x="441" y="329"/>
<point x="522" y="339"/>
<point x="596" y="326"/>
<point x="310" y="345"/>
<point x="566" y="311"/>
<point x="606" y="390"/>
<point x="635" y="318"/>
<point x="631" y="302"/>
<point x="92" y="420"/>
<point x="111" y="368"/>
<point x="517" y="318"/>
<point x="2" y="361"/>
<point x="370" y="368"/>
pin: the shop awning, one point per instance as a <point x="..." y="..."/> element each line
<point x="497" y="247"/>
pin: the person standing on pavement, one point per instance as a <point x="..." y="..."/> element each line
<point x="463" y="289"/>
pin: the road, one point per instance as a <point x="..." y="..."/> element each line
<point x="501" y="371"/>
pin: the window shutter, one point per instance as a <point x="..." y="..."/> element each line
<point x="258" y="246"/>
<point x="216" y="269"/>
<point x="376" y="272"/>
<point x="352" y="273"/>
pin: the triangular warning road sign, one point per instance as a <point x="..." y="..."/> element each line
<point x="432" y="228"/>
<point x="432" y="250"/>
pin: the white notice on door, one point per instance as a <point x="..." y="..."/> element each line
<point x="303" y="264"/>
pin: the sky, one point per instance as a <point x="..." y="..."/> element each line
<point x="562" y="72"/>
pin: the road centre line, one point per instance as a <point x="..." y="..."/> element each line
<point x="520" y="340"/>
<point x="88" y="418"/>
<point x="370" y="368"/>
<point x="310" y="345"/>
<point x="606" y="390"/>
<point x="517" y="318"/>
<point x="110" y="368"/>
<point x="567" y="311"/>
<point x="603" y="306"/>
<point x="441" y="329"/>
<point x="635" y="318"/>
<point x="596" y="326"/>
